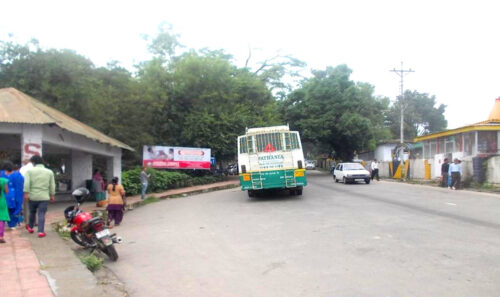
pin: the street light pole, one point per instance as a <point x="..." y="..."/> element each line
<point x="401" y="72"/>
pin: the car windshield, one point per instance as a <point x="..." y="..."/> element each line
<point x="353" y="166"/>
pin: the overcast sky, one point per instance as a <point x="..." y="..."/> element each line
<point x="453" y="46"/>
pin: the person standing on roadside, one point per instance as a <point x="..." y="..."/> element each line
<point x="144" y="182"/>
<point x="15" y="196"/>
<point x="4" y="212"/>
<point x="455" y="170"/>
<point x="25" y="166"/>
<point x="444" y="173"/>
<point x="39" y="189"/>
<point x="98" y="186"/>
<point x="374" y="168"/>
<point x="116" y="204"/>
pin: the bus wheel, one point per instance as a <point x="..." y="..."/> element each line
<point x="251" y="193"/>
<point x="292" y="192"/>
<point x="299" y="192"/>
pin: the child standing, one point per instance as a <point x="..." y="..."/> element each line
<point x="4" y="212"/>
<point x="116" y="196"/>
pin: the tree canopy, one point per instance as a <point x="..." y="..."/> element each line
<point x="421" y="115"/>
<point x="333" y="111"/>
<point x="201" y="98"/>
<point x="198" y="98"/>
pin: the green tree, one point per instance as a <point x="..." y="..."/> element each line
<point x="107" y="98"/>
<point x="333" y="112"/>
<point x="422" y="115"/>
<point x="60" y="78"/>
<point x="198" y="98"/>
<point x="206" y="101"/>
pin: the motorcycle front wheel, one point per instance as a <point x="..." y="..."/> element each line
<point x="111" y="252"/>
<point x="77" y="237"/>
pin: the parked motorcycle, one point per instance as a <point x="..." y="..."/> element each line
<point x="87" y="231"/>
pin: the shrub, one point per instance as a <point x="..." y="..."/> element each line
<point x="92" y="262"/>
<point x="162" y="180"/>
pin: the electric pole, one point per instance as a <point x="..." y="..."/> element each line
<point x="401" y="72"/>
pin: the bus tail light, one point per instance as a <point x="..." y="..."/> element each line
<point x="246" y="177"/>
<point x="298" y="173"/>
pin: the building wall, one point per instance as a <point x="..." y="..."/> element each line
<point x="493" y="170"/>
<point x="33" y="137"/>
<point x="417" y="168"/>
<point x="81" y="168"/>
<point x="367" y="156"/>
<point x="383" y="153"/>
<point x="383" y="170"/>
<point x="57" y="136"/>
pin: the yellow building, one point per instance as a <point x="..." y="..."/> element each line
<point x="476" y="140"/>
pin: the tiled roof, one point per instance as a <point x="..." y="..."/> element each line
<point x="17" y="107"/>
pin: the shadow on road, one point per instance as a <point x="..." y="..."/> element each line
<point x="274" y="195"/>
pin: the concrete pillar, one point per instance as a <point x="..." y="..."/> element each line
<point x="423" y="148"/>
<point x="114" y="167"/>
<point x="31" y="142"/>
<point x="109" y="169"/>
<point x="475" y="146"/>
<point x="498" y="141"/>
<point x="81" y="168"/>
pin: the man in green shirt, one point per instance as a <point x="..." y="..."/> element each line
<point x="39" y="189"/>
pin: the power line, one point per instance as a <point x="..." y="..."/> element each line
<point x="401" y="72"/>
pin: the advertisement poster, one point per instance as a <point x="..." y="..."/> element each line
<point x="172" y="157"/>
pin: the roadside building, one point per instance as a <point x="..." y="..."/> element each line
<point x="475" y="145"/>
<point x="72" y="149"/>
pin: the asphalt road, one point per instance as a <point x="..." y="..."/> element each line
<point x="382" y="239"/>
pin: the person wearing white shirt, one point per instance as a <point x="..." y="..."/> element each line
<point x="374" y="168"/>
<point x="455" y="170"/>
<point x="27" y="166"/>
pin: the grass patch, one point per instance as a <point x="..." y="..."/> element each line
<point x="62" y="229"/>
<point x="92" y="262"/>
<point x="484" y="186"/>
<point x="150" y="199"/>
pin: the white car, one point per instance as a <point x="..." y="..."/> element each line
<point x="310" y="165"/>
<point x="351" y="172"/>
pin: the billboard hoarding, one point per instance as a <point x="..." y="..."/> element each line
<point x="172" y="157"/>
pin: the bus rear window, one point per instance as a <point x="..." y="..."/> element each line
<point x="291" y="141"/>
<point x="246" y="143"/>
<point x="269" y="142"/>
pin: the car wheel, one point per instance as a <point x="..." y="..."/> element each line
<point x="367" y="181"/>
<point x="344" y="180"/>
<point x="336" y="180"/>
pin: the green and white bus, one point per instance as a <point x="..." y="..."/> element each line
<point x="271" y="158"/>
